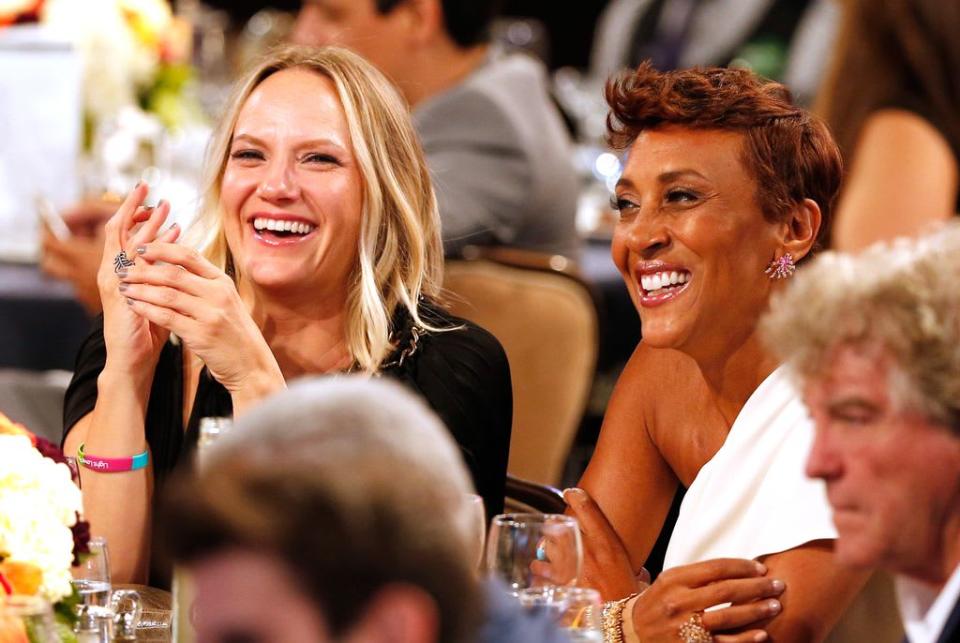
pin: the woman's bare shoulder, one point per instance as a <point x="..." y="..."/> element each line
<point x="656" y="380"/>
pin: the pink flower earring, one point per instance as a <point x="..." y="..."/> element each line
<point x="781" y="268"/>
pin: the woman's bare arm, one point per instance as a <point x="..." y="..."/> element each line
<point x="117" y="504"/>
<point x="903" y="178"/>
<point x="818" y="592"/>
<point x="627" y="476"/>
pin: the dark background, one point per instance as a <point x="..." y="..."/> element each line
<point x="569" y="24"/>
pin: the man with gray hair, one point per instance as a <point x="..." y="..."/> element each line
<point x="875" y="341"/>
<point x="333" y="511"/>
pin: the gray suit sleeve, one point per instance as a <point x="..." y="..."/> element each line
<point x="480" y="171"/>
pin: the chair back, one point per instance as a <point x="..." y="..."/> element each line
<point x="545" y="317"/>
<point x="524" y="497"/>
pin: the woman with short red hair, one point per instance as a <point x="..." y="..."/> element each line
<point x="727" y="187"/>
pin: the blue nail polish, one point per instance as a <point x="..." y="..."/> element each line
<point x="141" y="250"/>
<point x="129" y="302"/>
<point x="123" y="287"/>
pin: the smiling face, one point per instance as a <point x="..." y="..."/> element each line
<point x="892" y="476"/>
<point x="692" y="242"/>
<point x="292" y="192"/>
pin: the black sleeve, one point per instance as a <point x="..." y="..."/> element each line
<point x="81" y="395"/>
<point x="464" y="376"/>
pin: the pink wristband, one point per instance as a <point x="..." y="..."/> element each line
<point x="112" y="465"/>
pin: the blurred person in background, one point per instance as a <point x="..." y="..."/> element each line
<point x="495" y="143"/>
<point x="317" y="250"/>
<point x="783" y="40"/>
<point x="892" y="98"/>
<point x="875" y="341"/>
<point x="333" y="512"/>
<point x="77" y="259"/>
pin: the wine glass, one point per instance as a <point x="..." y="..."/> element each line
<point x="582" y="614"/>
<point x="578" y="610"/>
<point x="530" y="551"/>
<point x="92" y="577"/>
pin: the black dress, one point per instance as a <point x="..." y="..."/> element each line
<point x="462" y="374"/>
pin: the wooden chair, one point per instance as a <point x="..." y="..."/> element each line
<point x="523" y="496"/>
<point x="546" y="318"/>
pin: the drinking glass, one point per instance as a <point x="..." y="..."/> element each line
<point x="534" y="550"/>
<point x="92" y="577"/>
<point x="582" y="615"/>
<point x="578" y="610"/>
<point x="25" y="618"/>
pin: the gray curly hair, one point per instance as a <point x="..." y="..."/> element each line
<point x="903" y="296"/>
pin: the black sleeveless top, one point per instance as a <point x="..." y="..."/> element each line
<point x="462" y="374"/>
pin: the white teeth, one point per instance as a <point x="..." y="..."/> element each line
<point x="284" y="225"/>
<point x="660" y="280"/>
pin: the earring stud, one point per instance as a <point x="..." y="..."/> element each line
<point x="781" y="268"/>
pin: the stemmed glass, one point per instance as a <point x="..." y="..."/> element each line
<point x="92" y="577"/>
<point x="534" y="551"/>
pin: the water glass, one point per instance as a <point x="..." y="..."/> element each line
<point x="582" y="615"/>
<point x="534" y="550"/>
<point x="92" y="577"/>
<point x="25" y="618"/>
<point x="578" y="610"/>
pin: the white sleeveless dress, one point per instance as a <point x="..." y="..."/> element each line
<point x="753" y="498"/>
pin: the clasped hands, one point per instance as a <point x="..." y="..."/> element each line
<point x="663" y="607"/>
<point x="172" y="288"/>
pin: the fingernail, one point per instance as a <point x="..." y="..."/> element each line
<point x="161" y="203"/>
<point x="574" y="495"/>
<point x="129" y="302"/>
<point x="123" y="287"/>
<point x="773" y="606"/>
<point x="761" y="568"/>
<point x="141" y="250"/>
<point x="777" y="585"/>
<point x="139" y="183"/>
<point x="760" y="636"/>
<point x="174" y="225"/>
<point x="122" y="274"/>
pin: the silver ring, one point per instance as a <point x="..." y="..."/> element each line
<point x="121" y="262"/>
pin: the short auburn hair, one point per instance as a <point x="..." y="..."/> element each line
<point x="789" y="151"/>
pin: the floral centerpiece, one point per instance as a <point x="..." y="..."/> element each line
<point x="41" y="533"/>
<point x="19" y="11"/>
<point x="135" y="54"/>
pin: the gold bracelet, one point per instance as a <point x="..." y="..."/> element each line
<point x="613" y="619"/>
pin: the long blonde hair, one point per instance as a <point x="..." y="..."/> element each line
<point x="400" y="252"/>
